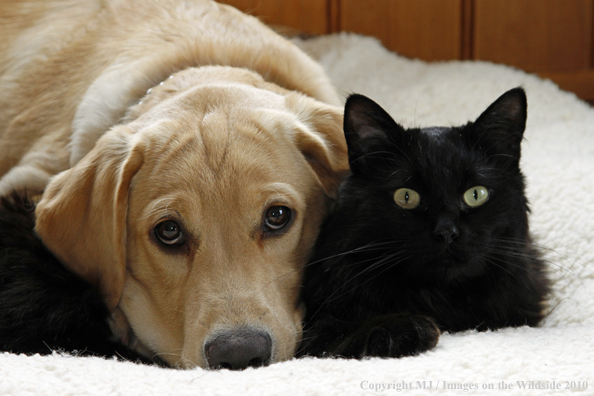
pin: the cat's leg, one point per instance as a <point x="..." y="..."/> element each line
<point x="395" y="335"/>
<point x="320" y="336"/>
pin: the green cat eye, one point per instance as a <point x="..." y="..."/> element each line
<point x="476" y="196"/>
<point x="407" y="198"/>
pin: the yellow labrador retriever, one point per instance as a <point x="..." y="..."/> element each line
<point x="187" y="156"/>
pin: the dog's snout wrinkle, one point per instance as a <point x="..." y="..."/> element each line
<point x="237" y="349"/>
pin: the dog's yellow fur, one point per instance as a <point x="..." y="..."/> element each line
<point x="245" y="122"/>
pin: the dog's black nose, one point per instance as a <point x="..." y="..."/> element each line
<point x="238" y="349"/>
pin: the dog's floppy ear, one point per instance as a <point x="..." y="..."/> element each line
<point x="322" y="141"/>
<point x="81" y="217"/>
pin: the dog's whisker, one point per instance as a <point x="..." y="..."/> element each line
<point x="161" y="354"/>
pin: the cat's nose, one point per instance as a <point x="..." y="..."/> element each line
<point x="447" y="234"/>
<point x="237" y="349"/>
<point x="446" y="230"/>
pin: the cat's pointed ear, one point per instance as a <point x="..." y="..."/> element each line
<point x="369" y="131"/>
<point x="499" y="129"/>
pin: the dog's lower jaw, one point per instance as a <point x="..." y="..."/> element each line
<point x="139" y="347"/>
<point x="120" y="328"/>
<point x="122" y="333"/>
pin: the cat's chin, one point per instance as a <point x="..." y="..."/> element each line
<point x="448" y="260"/>
<point x="447" y="256"/>
<point x="454" y="267"/>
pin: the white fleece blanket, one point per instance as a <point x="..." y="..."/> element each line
<point x="558" y="160"/>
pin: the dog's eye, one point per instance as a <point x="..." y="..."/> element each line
<point x="277" y="217"/>
<point x="169" y="232"/>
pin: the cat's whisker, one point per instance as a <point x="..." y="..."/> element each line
<point x="388" y="267"/>
<point x="394" y="173"/>
<point x="387" y="142"/>
<point x="551" y="262"/>
<point x="371" y="156"/>
<point x="333" y="296"/>
<point x="519" y="253"/>
<point x="503" y="155"/>
<point x="491" y="261"/>
<point x="379" y="261"/>
<point x="372" y="246"/>
<point x="541" y="247"/>
<point x="504" y="264"/>
<point x="402" y="152"/>
<point x="496" y="143"/>
<point x="377" y="242"/>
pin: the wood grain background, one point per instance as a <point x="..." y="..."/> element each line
<point x="553" y="38"/>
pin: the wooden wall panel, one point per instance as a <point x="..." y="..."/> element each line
<point x="579" y="82"/>
<point x="310" y="16"/>
<point x="426" y="29"/>
<point x="554" y="38"/>
<point x="535" y="35"/>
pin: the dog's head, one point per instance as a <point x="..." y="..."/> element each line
<point x="195" y="217"/>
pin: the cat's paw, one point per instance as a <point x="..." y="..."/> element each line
<point x="392" y="336"/>
<point x="398" y="336"/>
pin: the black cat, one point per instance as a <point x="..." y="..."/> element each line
<point x="430" y="232"/>
<point x="43" y="306"/>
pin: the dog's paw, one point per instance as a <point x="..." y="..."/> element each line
<point x="392" y="336"/>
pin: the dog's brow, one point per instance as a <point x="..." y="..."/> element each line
<point x="280" y="195"/>
<point x="163" y="199"/>
<point x="281" y="189"/>
<point x="162" y="208"/>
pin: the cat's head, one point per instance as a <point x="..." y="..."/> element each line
<point x="450" y="197"/>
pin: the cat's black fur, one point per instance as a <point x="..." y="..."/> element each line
<point x="43" y="306"/>
<point x="383" y="279"/>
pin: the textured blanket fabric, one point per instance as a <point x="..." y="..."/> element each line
<point x="558" y="161"/>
